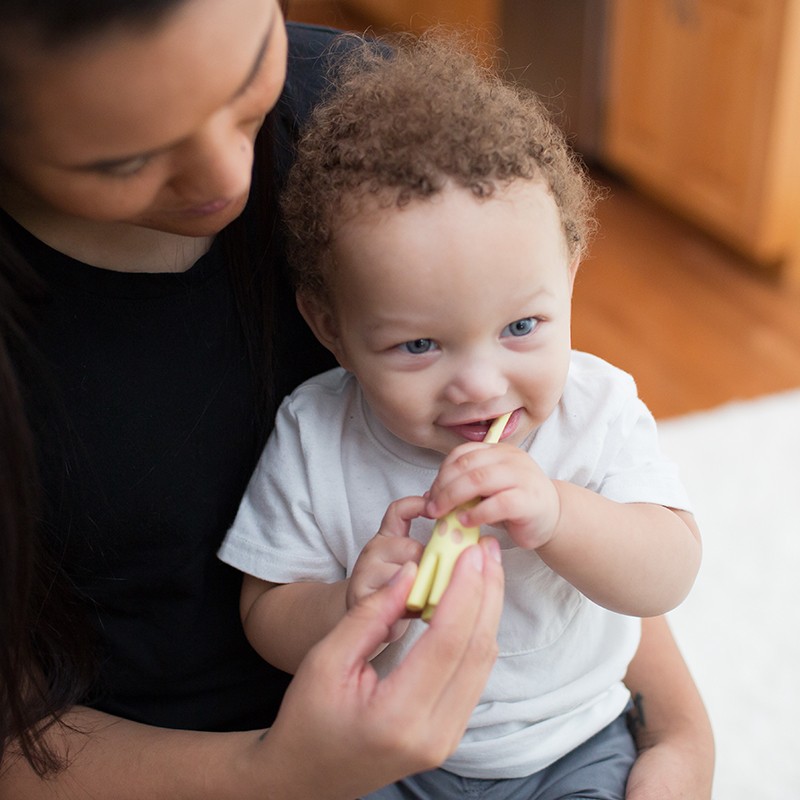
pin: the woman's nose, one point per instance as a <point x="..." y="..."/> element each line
<point x="216" y="164"/>
<point x="476" y="382"/>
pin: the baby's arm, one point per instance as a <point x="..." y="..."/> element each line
<point x="284" y="621"/>
<point x="634" y="558"/>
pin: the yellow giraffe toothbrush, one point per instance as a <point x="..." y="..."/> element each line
<point x="448" y="540"/>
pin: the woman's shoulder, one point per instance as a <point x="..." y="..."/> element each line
<point x="309" y="41"/>
<point x="312" y="51"/>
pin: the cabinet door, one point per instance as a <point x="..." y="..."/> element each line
<point x="691" y="105"/>
<point x="643" y="55"/>
<point x="419" y="14"/>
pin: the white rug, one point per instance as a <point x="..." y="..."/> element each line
<point x="739" y="629"/>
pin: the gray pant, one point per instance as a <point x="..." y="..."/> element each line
<point x="597" y="769"/>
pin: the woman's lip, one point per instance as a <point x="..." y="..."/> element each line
<point x="212" y="207"/>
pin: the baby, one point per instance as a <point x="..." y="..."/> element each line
<point x="436" y="221"/>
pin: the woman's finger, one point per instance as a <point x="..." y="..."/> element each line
<point x="459" y="646"/>
<point x="462" y="693"/>
<point x="367" y="624"/>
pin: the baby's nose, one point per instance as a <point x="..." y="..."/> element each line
<point x="476" y="382"/>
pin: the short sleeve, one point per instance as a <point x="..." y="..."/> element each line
<point x="275" y="535"/>
<point x="604" y="438"/>
<point x="635" y="470"/>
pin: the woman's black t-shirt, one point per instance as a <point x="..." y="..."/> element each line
<point x="146" y="434"/>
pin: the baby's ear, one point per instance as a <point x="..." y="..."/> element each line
<point x="573" y="270"/>
<point x="320" y="318"/>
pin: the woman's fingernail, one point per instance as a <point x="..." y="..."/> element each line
<point x="476" y="558"/>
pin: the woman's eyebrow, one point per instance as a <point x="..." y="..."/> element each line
<point x="259" y="59"/>
<point x="257" y="62"/>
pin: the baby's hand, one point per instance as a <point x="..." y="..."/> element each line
<point x="385" y="554"/>
<point x="514" y="492"/>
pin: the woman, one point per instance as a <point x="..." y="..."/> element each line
<point x="147" y="330"/>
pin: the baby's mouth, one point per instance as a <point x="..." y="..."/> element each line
<point x="473" y="431"/>
<point x="476" y="430"/>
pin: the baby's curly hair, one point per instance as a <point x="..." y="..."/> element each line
<point x="401" y="123"/>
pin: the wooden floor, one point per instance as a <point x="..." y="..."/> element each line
<point x="695" y="324"/>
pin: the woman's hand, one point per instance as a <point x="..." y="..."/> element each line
<point x="343" y="732"/>
<point x="340" y="732"/>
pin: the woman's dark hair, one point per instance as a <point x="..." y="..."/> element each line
<point x="56" y="22"/>
<point x="27" y="596"/>
<point x="46" y="658"/>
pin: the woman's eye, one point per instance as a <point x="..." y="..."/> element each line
<point x="522" y="327"/>
<point x="124" y="169"/>
<point x="419" y="346"/>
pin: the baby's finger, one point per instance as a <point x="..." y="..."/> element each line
<point x="481" y="473"/>
<point x="474" y="475"/>
<point x="399" y="515"/>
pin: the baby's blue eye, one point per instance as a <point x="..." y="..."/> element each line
<point x="522" y="327"/>
<point x="419" y="346"/>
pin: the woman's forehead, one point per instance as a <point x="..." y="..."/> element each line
<point x="130" y="90"/>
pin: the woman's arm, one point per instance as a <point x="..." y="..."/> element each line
<point x="670" y="724"/>
<point x="340" y="732"/>
<point x="107" y="757"/>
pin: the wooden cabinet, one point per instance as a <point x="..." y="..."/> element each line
<point x="416" y="15"/>
<point x="703" y="111"/>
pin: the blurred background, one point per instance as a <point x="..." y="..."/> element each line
<point x="688" y="112"/>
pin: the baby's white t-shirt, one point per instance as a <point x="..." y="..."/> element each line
<point x="322" y="487"/>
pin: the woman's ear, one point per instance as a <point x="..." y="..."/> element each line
<point x="319" y="317"/>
